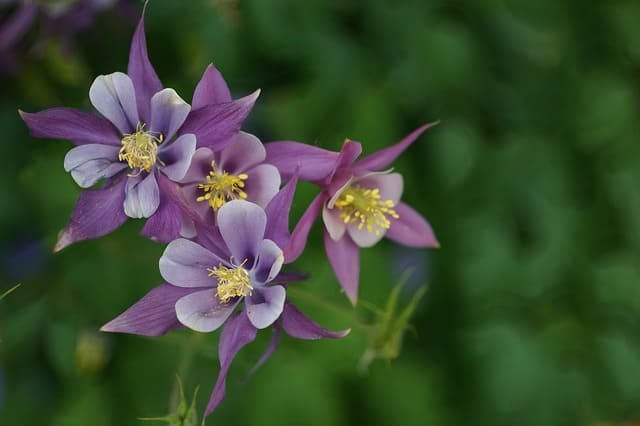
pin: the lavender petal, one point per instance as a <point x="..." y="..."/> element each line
<point x="270" y="259"/>
<point x="265" y="305"/>
<point x="202" y="310"/>
<point x="185" y="264"/>
<point x="177" y="157"/>
<point x="142" y="196"/>
<point x="114" y="97"/>
<point x="168" y="112"/>
<point x="242" y="225"/>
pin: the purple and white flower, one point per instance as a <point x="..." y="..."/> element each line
<point x="209" y="279"/>
<point x="133" y="147"/>
<point x="359" y="203"/>
<point x="237" y="172"/>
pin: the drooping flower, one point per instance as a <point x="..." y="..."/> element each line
<point x="133" y="146"/>
<point x="238" y="172"/>
<point x="209" y="278"/>
<point x="360" y="202"/>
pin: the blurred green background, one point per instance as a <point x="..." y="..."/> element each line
<point x="531" y="182"/>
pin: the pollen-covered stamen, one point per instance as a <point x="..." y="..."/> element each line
<point x="222" y="187"/>
<point x="363" y="205"/>
<point x="140" y="149"/>
<point x="232" y="282"/>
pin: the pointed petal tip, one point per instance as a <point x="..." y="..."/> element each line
<point x="64" y="240"/>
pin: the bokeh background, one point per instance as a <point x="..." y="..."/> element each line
<point x="531" y="182"/>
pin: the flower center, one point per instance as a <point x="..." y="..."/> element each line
<point x="222" y="187"/>
<point x="232" y="282"/>
<point x="363" y="205"/>
<point x="140" y="149"/>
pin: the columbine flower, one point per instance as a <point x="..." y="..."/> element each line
<point x="360" y="203"/>
<point x="208" y="279"/>
<point x="134" y="147"/>
<point x="238" y="172"/>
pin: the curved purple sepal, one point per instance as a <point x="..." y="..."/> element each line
<point x="237" y="333"/>
<point x="153" y="315"/>
<point x="298" y="325"/>
<point x="298" y="239"/>
<point x="211" y="90"/>
<point x="382" y="159"/>
<point x="344" y="257"/>
<point x="79" y="127"/>
<point x="144" y="77"/>
<point x="216" y="125"/>
<point x="96" y="213"/>
<point x="411" y="229"/>
<point x="315" y="164"/>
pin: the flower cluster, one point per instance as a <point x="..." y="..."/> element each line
<point x="215" y="194"/>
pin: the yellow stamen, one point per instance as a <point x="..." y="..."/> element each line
<point x="232" y="282"/>
<point x="222" y="187"/>
<point x="358" y="204"/>
<point x="140" y="149"/>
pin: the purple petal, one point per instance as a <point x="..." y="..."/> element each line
<point x="168" y="112"/>
<point x="298" y="325"/>
<point x="344" y="256"/>
<point x="142" y="196"/>
<point x="298" y="239"/>
<point x="185" y="263"/>
<point x="144" y="77"/>
<point x="265" y="305"/>
<point x="242" y="225"/>
<point x="348" y="154"/>
<point x="263" y="184"/>
<point x="114" y="97"/>
<point x="199" y="168"/>
<point x="315" y="164"/>
<point x="236" y="333"/>
<point x="153" y="315"/>
<point x="211" y="90"/>
<point x="270" y="259"/>
<point x="71" y="124"/>
<point x="410" y="229"/>
<point x="244" y="152"/>
<point x="164" y="225"/>
<point x="383" y="158"/>
<point x="390" y="186"/>
<point x="333" y="223"/>
<point x="89" y="164"/>
<point x="216" y="125"/>
<point x="278" y="213"/>
<point x="97" y="212"/>
<point x="202" y="311"/>
<point x="177" y="157"/>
